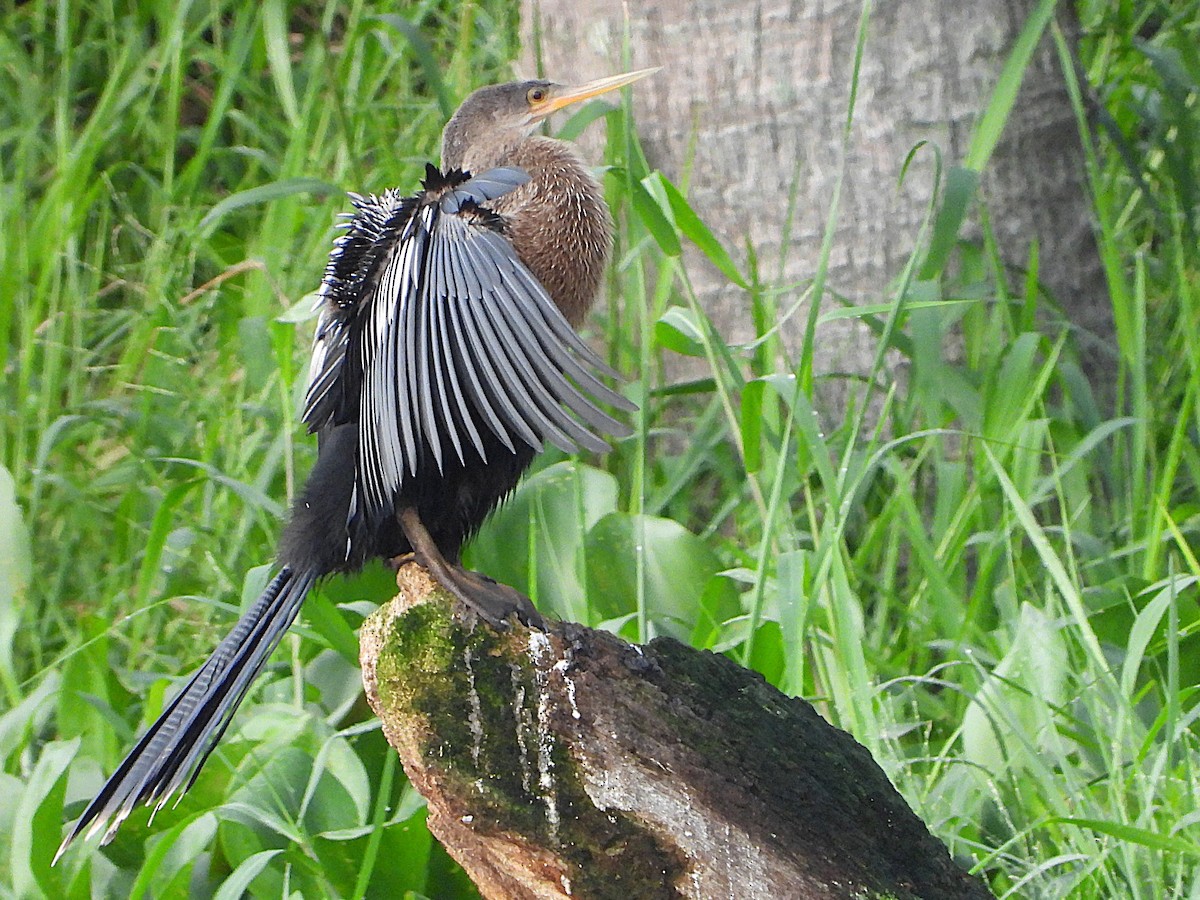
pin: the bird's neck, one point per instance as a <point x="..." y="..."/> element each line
<point x="480" y="156"/>
<point x="558" y="223"/>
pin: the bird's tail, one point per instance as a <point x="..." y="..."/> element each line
<point x="168" y="757"/>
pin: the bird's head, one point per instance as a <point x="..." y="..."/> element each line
<point x="495" y="119"/>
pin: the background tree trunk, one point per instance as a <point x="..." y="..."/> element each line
<point x="753" y="96"/>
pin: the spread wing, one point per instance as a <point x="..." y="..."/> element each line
<point x="433" y="333"/>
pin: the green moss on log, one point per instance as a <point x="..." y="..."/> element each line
<point x="478" y="705"/>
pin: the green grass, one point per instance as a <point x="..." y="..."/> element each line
<point x="995" y="590"/>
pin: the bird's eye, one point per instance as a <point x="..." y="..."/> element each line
<point x="536" y="95"/>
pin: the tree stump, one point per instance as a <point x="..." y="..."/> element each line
<point x="572" y="763"/>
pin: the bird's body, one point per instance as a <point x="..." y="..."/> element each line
<point x="564" y="244"/>
<point x="444" y="359"/>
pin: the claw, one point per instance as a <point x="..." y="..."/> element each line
<point x="491" y="601"/>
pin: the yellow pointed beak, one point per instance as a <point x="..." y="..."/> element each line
<point x="565" y="95"/>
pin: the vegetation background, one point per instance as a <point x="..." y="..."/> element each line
<point x="994" y="588"/>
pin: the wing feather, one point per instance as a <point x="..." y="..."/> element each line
<point x="550" y="325"/>
<point x="558" y="322"/>
<point x="463" y="365"/>
<point x="496" y="383"/>
<point x="404" y="371"/>
<point x="330" y="346"/>
<point x="540" y="377"/>
<point x="433" y="333"/>
<point x="451" y="416"/>
<point x="520" y="385"/>
<point x="553" y="366"/>
<point x="380" y="419"/>
<point x="421" y="367"/>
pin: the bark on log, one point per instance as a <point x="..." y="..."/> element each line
<point x="571" y="763"/>
<point x="752" y="99"/>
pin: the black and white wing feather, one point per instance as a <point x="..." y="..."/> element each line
<point x="434" y="334"/>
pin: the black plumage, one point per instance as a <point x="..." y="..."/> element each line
<point x="444" y="359"/>
<point x="449" y="362"/>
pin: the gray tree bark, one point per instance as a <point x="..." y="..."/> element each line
<point x="755" y="93"/>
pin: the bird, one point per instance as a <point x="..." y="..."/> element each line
<point x="445" y="357"/>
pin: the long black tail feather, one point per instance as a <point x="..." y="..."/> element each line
<point x="170" y="754"/>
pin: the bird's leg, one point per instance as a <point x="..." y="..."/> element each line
<point x="493" y="601"/>
<point x="395" y="563"/>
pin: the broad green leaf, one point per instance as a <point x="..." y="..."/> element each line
<point x="535" y="540"/>
<point x="1010" y="395"/>
<point x="173" y="853"/>
<point x="303" y="310"/>
<point x="29" y="716"/>
<point x="1013" y="713"/>
<point x="275" y="37"/>
<point x="991" y="124"/>
<point x="652" y="217"/>
<point x="585" y="116"/>
<point x="1145" y="625"/>
<point x="750" y="423"/>
<point x="39" y="823"/>
<point x="325" y="619"/>
<point x="678" y="330"/>
<point x="1164" y="843"/>
<point x="676" y="565"/>
<point x="692" y="227"/>
<point x="876" y="309"/>
<point x="239" y="880"/>
<point x="254" y="349"/>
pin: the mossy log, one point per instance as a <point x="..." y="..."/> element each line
<point x="572" y="763"/>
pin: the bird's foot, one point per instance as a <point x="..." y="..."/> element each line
<point x="492" y="601"/>
<point x="395" y="563"/>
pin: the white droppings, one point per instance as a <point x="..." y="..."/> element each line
<point x="561" y="668"/>
<point x="524" y="726"/>
<point x="566" y="884"/>
<point x="571" y="697"/>
<point x="539" y="648"/>
<point x="541" y="653"/>
<point x="475" y="714"/>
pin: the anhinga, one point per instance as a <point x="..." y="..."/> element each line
<point x="444" y="358"/>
